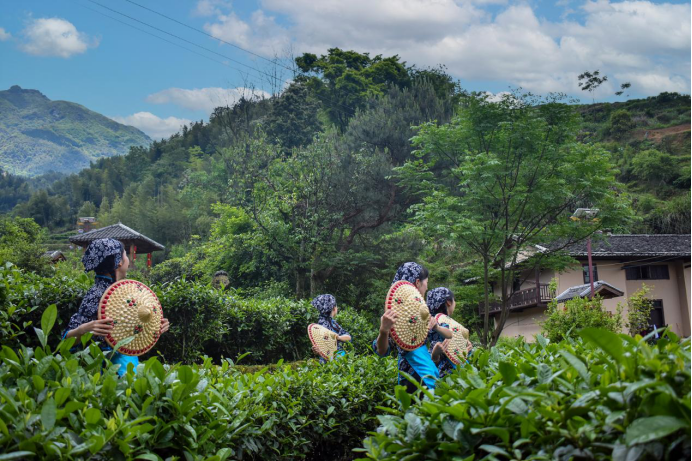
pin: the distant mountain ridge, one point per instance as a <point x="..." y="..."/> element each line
<point x="38" y="135"/>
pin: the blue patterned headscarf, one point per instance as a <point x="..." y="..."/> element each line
<point x="324" y="304"/>
<point x="437" y="300"/>
<point x="409" y="272"/>
<point x="99" y="250"/>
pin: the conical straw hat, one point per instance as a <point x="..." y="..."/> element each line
<point x="135" y="311"/>
<point x="457" y="347"/>
<point x="410" y="328"/>
<point x="323" y="339"/>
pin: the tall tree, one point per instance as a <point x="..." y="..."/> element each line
<point x="503" y="178"/>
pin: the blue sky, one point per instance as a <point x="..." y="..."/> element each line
<point x="72" y="50"/>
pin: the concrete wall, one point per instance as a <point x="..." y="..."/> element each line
<point x="674" y="294"/>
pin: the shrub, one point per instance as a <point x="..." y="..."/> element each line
<point x="203" y="320"/>
<point x="58" y="405"/>
<point x="620" y="123"/>
<point x="639" y="311"/>
<point x="21" y="244"/>
<point x="578" y="313"/>
<point x="604" y="397"/>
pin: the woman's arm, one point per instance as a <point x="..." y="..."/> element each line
<point x="386" y="324"/>
<point x="437" y="352"/>
<point x="344" y="338"/>
<point x="97" y="327"/>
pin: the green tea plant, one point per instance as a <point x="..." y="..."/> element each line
<point x="599" y="396"/>
<point x="204" y="321"/>
<point x="55" y="404"/>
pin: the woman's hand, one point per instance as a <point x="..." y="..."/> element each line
<point x="344" y="338"/>
<point x="316" y="351"/>
<point x="387" y="321"/>
<point x="470" y="346"/>
<point x="165" y="325"/>
<point x="97" y="327"/>
<point x="432" y="323"/>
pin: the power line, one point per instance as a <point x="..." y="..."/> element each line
<point x="157" y="36"/>
<point x="351" y="110"/>
<point x="212" y="36"/>
<point x="276" y="79"/>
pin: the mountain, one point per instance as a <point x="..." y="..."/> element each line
<point x="38" y="135"/>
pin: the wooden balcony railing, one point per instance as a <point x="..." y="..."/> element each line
<point x="523" y="299"/>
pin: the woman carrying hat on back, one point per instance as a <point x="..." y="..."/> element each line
<point x="418" y="362"/>
<point x="107" y="258"/>
<point x="326" y="306"/>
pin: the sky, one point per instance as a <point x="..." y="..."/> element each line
<point x="125" y="60"/>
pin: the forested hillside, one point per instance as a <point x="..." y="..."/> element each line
<point x="298" y="193"/>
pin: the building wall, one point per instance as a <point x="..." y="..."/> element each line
<point x="674" y="294"/>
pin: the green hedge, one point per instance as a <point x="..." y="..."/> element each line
<point x="58" y="405"/>
<point x="605" y="396"/>
<point x="205" y="321"/>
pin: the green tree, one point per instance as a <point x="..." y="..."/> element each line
<point x="21" y="243"/>
<point x="293" y="119"/>
<point x="590" y="81"/>
<point x="620" y="123"/>
<point x="345" y="80"/>
<point x="314" y="205"/>
<point x="639" y="307"/>
<point x="502" y="180"/>
<point x="87" y="209"/>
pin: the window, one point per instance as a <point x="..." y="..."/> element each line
<point x="516" y="285"/>
<point x="656" y="318"/>
<point x="585" y="269"/>
<point x="655" y="272"/>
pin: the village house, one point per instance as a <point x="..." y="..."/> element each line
<point x="622" y="264"/>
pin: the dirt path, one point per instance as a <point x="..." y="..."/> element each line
<point x="657" y="135"/>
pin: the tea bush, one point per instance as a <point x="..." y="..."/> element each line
<point x="59" y="405"/>
<point x="605" y="396"/>
<point x="203" y="320"/>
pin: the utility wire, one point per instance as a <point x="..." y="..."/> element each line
<point x="157" y="36"/>
<point x="212" y="36"/>
<point x="276" y="79"/>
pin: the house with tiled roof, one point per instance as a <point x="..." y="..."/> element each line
<point x="134" y="242"/>
<point x="621" y="265"/>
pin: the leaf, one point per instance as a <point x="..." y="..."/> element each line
<point x="576" y="364"/>
<point x="48" y="318"/>
<point x="403" y="397"/>
<point x="92" y="415"/>
<point x="494" y="450"/>
<point x="48" y="414"/>
<point x="414" y="427"/>
<point x="148" y="456"/>
<point x="509" y="372"/>
<point x="651" y="428"/>
<point x="609" y="342"/>
<point x="122" y="343"/>
<point x="16" y="455"/>
<point x="544" y="373"/>
<point x="185" y="374"/>
<point x="41" y="336"/>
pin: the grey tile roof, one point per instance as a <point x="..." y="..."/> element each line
<point x="581" y="291"/>
<point x="623" y="245"/>
<point x="119" y="232"/>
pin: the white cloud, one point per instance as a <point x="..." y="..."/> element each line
<point x="55" y="37"/>
<point x="155" y="127"/>
<point x="4" y="35"/>
<point x="204" y="99"/>
<point x="649" y="42"/>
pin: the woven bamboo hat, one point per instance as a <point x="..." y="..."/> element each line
<point x="457" y="347"/>
<point x="323" y="339"/>
<point x="136" y="311"/>
<point x="411" y="325"/>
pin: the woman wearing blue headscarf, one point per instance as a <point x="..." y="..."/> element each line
<point x="418" y="362"/>
<point x="107" y="258"/>
<point x="440" y="301"/>
<point x="326" y="306"/>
